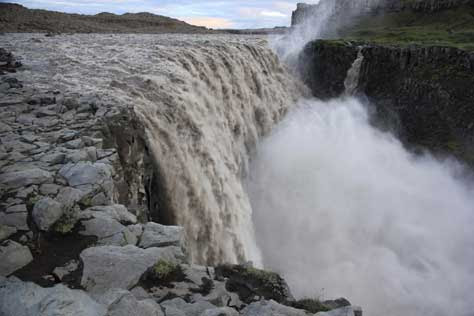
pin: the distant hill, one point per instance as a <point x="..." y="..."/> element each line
<point x="17" y="18"/>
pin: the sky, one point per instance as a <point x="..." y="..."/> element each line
<point x="209" y="13"/>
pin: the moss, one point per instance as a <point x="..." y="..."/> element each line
<point x="65" y="224"/>
<point x="311" y="305"/>
<point x="266" y="277"/>
<point x="165" y="272"/>
<point x="454" y="27"/>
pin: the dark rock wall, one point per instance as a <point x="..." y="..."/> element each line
<point x="425" y="93"/>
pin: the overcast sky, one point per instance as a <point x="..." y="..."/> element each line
<point x="210" y="13"/>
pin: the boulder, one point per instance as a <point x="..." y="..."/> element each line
<point x="6" y="231"/>
<point x="271" y="308"/>
<point x="61" y="272"/>
<point x="24" y="178"/>
<point x="343" y="311"/>
<point x="86" y="173"/>
<point x="156" y="235"/>
<point x="13" y="256"/>
<point x="46" y="212"/>
<point x="28" y="299"/>
<point x="123" y="303"/>
<point x="220" y="311"/>
<point x="108" y="230"/>
<point x="188" y="309"/>
<point x="117" y="212"/>
<point x="17" y="220"/>
<point x="107" y="267"/>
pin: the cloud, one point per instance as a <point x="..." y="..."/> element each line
<point x="215" y="23"/>
<point x="273" y="14"/>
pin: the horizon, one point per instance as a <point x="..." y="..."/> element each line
<point x="215" y="14"/>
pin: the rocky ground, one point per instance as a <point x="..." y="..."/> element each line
<point x="68" y="248"/>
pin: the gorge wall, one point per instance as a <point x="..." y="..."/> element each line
<point x="421" y="93"/>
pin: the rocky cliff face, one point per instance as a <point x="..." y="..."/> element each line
<point x="424" y="93"/>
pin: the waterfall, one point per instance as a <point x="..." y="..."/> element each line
<point x="352" y="80"/>
<point x="205" y="108"/>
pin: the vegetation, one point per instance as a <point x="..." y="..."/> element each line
<point x="65" y="224"/>
<point x="165" y="271"/>
<point x="454" y="27"/>
<point x="311" y="305"/>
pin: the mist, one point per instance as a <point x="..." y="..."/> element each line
<point x="343" y="209"/>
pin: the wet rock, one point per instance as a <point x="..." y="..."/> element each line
<point x="156" y="235"/>
<point x="27" y="299"/>
<point x="271" y="308"/>
<point x="6" y="231"/>
<point x="24" y="178"/>
<point x="13" y="256"/>
<point x="46" y="212"/>
<point x="107" y="267"/>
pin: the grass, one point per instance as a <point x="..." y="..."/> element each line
<point x="454" y="27"/>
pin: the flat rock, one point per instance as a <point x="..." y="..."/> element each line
<point x="6" y="231"/>
<point x="343" y="311"/>
<point x="19" y="298"/>
<point x="107" y="267"/>
<point x="271" y="308"/>
<point x="24" y="178"/>
<point x="108" y="230"/>
<point x="123" y="303"/>
<point x="189" y="309"/>
<point x="13" y="256"/>
<point x="86" y="173"/>
<point x="46" y="212"/>
<point x="69" y="196"/>
<point x="117" y="211"/>
<point x="156" y="235"/>
<point x="220" y="311"/>
<point x="17" y="220"/>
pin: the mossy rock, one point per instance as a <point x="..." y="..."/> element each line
<point x="65" y="224"/>
<point x="252" y="284"/>
<point x="164" y="272"/>
<point x="311" y="305"/>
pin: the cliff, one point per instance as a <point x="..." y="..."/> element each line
<point x="17" y="18"/>
<point x="423" y="93"/>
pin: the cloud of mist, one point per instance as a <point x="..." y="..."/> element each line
<point x="342" y="209"/>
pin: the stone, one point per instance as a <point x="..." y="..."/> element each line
<point x="343" y="311"/>
<point x="69" y="196"/>
<point x="6" y="231"/>
<point x="84" y="173"/>
<point x="189" y="309"/>
<point x="123" y="303"/>
<point x="107" y="267"/>
<point x="156" y="235"/>
<point x="46" y="212"/>
<point x="220" y="311"/>
<point x="140" y="293"/>
<point x="13" y="256"/>
<point x="25" y="178"/>
<point x="61" y="272"/>
<point x="74" y="144"/>
<point x="116" y="211"/>
<point x="220" y="297"/>
<point x="271" y="308"/>
<point x="28" y="299"/>
<point x="108" y="230"/>
<point x="54" y="158"/>
<point x="17" y="220"/>
<point x="49" y="189"/>
<point x="136" y="229"/>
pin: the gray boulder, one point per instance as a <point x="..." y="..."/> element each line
<point x="19" y="298"/>
<point x="107" y="267"/>
<point x="123" y="303"/>
<point x="46" y="212"/>
<point x="220" y="311"/>
<point x="15" y="216"/>
<point x="6" y="231"/>
<point x="189" y="309"/>
<point x="13" y="256"/>
<point x="116" y="211"/>
<point x="271" y="308"/>
<point x="24" y="178"/>
<point x="156" y="235"/>
<point x="343" y="311"/>
<point x="86" y="173"/>
<point x="108" y="230"/>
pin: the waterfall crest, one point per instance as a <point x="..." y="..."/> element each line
<point x="205" y="110"/>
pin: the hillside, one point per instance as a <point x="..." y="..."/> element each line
<point x="17" y="18"/>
